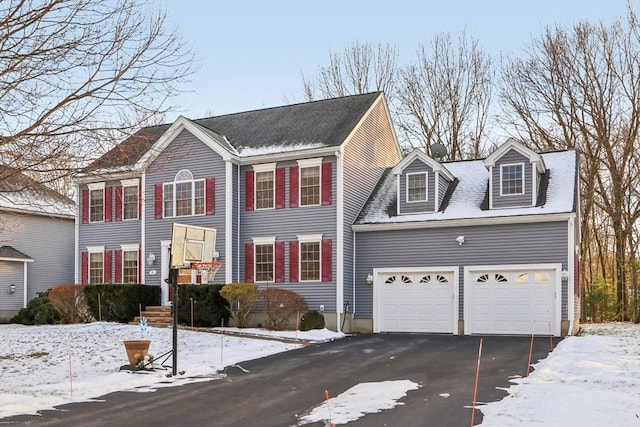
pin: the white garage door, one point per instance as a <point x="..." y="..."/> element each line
<point x="517" y="300"/>
<point x="414" y="301"/>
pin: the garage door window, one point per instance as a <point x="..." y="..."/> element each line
<point x="396" y="280"/>
<point x="497" y="277"/>
<point x="430" y="279"/>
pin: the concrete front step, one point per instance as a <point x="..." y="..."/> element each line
<point x="156" y="316"/>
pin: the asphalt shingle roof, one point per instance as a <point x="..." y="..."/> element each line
<point x="10" y="252"/>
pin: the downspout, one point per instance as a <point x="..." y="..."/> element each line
<point x="228" y="222"/>
<point x="339" y="237"/>
<point x="353" y="280"/>
<point x="143" y="227"/>
<point x="77" y="238"/>
<point x="24" y="278"/>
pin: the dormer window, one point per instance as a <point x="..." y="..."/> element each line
<point x="511" y="179"/>
<point x="416" y="187"/>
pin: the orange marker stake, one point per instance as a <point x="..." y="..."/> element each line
<point x="326" y="396"/>
<point x="475" y="388"/>
<point x="533" y="332"/>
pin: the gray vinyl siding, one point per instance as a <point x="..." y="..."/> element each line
<point x="534" y="243"/>
<point x="285" y="224"/>
<point x="184" y="152"/>
<point x="417" y="166"/>
<point x="443" y="184"/>
<point x="109" y="234"/>
<point x="49" y="241"/>
<point x="510" y="157"/>
<point x="11" y="273"/>
<point x="363" y="165"/>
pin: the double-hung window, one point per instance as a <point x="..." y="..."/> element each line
<point x="184" y="196"/>
<point x="310" y="257"/>
<point x="310" y="181"/>
<point x="416" y="187"/>
<point x="265" y="185"/>
<point x="130" y="266"/>
<point x="511" y="179"/>
<point x="130" y="202"/>
<point x="264" y="262"/>
<point x="96" y="265"/>
<point x="96" y="202"/>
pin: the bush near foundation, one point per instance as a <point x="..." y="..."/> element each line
<point x="242" y="299"/>
<point x="39" y="311"/>
<point x="282" y="307"/>
<point x="69" y="300"/>
<point x="312" y="319"/>
<point x="120" y="303"/>
<point x="209" y="307"/>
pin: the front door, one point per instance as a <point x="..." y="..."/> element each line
<point x="164" y="272"/>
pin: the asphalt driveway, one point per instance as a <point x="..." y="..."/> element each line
<point x="276" y="390"/>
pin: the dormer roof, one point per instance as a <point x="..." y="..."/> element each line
<point x="511" y="144"/>
<point x="424" y="158"/>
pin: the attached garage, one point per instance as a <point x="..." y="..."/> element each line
<point x="415" y="300"/>
<point x="518" y="299"/>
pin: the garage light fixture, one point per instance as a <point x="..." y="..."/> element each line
<point x="460" y="240"/>
<point x="369" y="279"/>
<point x="12" y="288"/>
<point x="564" y="275"/>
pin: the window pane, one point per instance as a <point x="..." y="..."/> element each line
<point x="512" y="179"/>
<point x="264" y="190"/>
<point x="97" y="205"/>
<point x="130" y="202"/>
<point x="310" y="186"/>
<point x="416" y="187"/>
<point x="168" y="200"/>
<point x="264" y="263"/>
<point x="310" y="261"/>
<point x="130" y="266"/>
<point x="199" y="197"/>
<point x="183" y="198"/>
<point x="96" y="272"/>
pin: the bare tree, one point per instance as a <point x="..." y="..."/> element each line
<point x="77" y="75"/>
<point x="580" y="87"/>
<point x="445" y="96"/>
<point x="360" y="68"/>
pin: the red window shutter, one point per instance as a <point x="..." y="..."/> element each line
<point x="210" y="184"/>
<point x="85" y="206"/>
<point x="118" y="266"/>
<point x="107" y="266"/>
<point x="248" y="186"/>
<point x="326" y="183"/>
<point x="294" y="186"/>
<point x="139" y="202"/>
<point x="139" y="265"/>
<point x="158" y="201"/>
<point x="279" y="188"/>
<point x="248" y="263"/>
<point x="118" y="202"/>
<point x="326" y="260"/>
<point x="279" y="262"/>
<point x="107" y="203"/>
<point x="85" y="267"/>
<point x="294" y="276"/>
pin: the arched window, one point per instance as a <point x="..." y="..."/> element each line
<point x="184" y="196"/>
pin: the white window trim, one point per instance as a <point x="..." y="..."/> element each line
<point x="265" y="167"/>
<point x="521" y="164"/>
<point x="95" y="249"/>
<point x="130" y="247"/>
<point x="426" y="184"/>
<point x="193" y="198"/>
<point x="97" y="187"/>
<point x="131" y="183"/>
<point x="309" y="163"/>
<point x="263" y="241"/>
<point x="309" y="238"/>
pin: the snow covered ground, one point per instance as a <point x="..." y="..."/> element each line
<point x="589" y="380"/>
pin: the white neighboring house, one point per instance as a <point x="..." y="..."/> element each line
<point x="37" y="228"/>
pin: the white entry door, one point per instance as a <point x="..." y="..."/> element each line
<point x="517" y="300"/>
<point x="408" y="300"/>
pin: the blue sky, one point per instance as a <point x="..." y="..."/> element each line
<point x="251" y="53"/>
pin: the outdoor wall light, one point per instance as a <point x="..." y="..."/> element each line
<point x="12" y="288"/>
<point x="369" y="279"/>
<point x="564" y="275"/>
<point x="151" y="258"/>
<point x="460" y="240"/>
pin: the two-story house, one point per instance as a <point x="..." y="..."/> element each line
<point x="282" y="187"/>
<point x="36" y="240"/>
<point x="316" y="198"/>
<point x="471" y="247"/>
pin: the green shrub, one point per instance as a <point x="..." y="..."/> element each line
<point x="600" y="302"/>
<point x="209" y="307"/>
<point x="39" y="311"/>
<point x="69" y="300"/>
<point x="312" y="319"/>
<point x="282" y="306"/>
<point x="120" y="303"/>
<point x="242" y="299"/>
